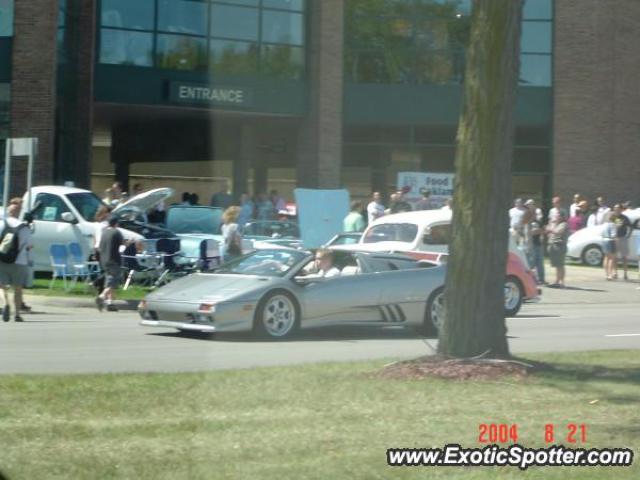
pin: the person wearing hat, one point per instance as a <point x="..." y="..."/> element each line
<point x="110" y="242"/>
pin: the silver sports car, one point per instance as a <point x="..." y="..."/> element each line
<point x="275" y="292"/>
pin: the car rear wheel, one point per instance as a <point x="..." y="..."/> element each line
<point x="592" y="255"/>
<point x="277" y="315"/>
<point x="434" y="315"/>
<point x="513" y="296"/>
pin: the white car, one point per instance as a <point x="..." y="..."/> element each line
<point x="426" y="234"/>
<point x="586" y="244"/>
<point x="66" y="215"/>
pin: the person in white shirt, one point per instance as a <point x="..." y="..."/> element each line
<point x="324" y="264"/>
<point x="15" y="274"/>
<point x="603" y="213"/>
<point x="517" y="221"/>
<point x="375" y="209"/>
<point x="573" y="208"/>
<point x="554" y="211"/>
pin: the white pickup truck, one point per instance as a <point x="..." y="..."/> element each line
<point x="66" y="214"/>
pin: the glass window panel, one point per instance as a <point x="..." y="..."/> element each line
<point x="439" y="66"/>
<point x="234" y="57"/>
<point x="282" y="61"/>
<point x="297" y="5"/>
<point x="535" y="70"/>
<point x="234" y="22"/>
<point x="253" y="3"/>
<point x="536" y="37"/>
<point x="530" y="159"/>
<point x="6" y="18"/>
<point x="4" y="101"/>
<point x="537" y="9"/>
<point x="126" y="48"/>
<point x="62" y="10"/>
<point x="282" y="27"/>
<point x="181" y="53"/>
<point x="182" y="17"/>
<point x="386" y="66"/>
<point x="138" y="15"/>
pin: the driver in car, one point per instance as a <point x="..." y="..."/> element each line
<point x="324" y="264"/>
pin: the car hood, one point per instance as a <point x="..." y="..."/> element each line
<point x="209" y="287"/>
<point x="146" y="200"/>
<point x="587" y="234"/>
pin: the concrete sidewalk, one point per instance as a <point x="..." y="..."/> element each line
<point x="46" y="303"/>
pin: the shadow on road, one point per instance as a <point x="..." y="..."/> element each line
<point x="312" y="335"/>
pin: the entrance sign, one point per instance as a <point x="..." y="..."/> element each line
<point x="193" y="93"/>
<point x="439" y="184"/>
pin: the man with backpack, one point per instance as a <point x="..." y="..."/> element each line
<point x="15" y="248"/>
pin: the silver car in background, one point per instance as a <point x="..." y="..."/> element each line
<point x="273" y="292"/>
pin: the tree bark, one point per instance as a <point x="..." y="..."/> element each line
<point x="474" y="287"/>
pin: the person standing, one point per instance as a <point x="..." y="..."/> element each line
<point x="556" y="231"/>
<point x="536" y="249"/>
<point x="375" y="209"/>
<point x="231" y="239"/>
<point x="354" y="221"/>
<point x="246" y="210"/>
<point x="573" y="208"/>
<point x="609" y="234"/>
<point x="111" y="262"/>
<point x="623" y="232"/>
<point x="555" y="208"/>
<point x="602" y="215"/>
<point x="279" y="205"/>
<point x="578" y="219"/>
<point x="264" y="207"/>
<point x="400" y="204"/>
<point x="425" y="202"/>
<point x="222" y="198"/>
<point x="15" y="257"/>
<point x="517" y="221"/>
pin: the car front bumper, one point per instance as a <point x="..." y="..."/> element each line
<point x="193" y="327"/>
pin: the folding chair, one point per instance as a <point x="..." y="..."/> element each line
<point x="148" y="265"/>
<point x="59" y="257"/>
<point x="82" y="268"/>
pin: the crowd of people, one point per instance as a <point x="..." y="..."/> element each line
<point x="531" y="233"/>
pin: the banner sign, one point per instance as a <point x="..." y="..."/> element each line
<point x="192" y="93"/>
<point x="440" y="185"/>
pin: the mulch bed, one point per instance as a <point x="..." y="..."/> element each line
<point x="437" y="366"/>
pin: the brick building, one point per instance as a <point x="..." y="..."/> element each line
<point x="279" y="93"/>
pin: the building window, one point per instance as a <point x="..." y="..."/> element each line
<point x="232" y="57"/>
<point x="535" y="70"/>
<point x="180" y="52"/>
<point x="180" y="16"/>
<point x="296" y="5"/>
<point x="537" y="10"/>
<point x="5" y="104"/>
<point x="234" y="22"/>
<point x="282" y="61"/>
<point x="126" y="47"/>
<point x="136" y="15"/>
<point x="282" y="27"/>
<point x="6" y="18"/>
<point x="536" y="37"/>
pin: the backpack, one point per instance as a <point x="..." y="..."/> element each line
<point x="10" y="243"/>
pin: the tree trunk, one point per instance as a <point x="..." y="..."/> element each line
<point x="474" y="286"/>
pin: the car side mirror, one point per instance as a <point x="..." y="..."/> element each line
<point x="68" y="217"/>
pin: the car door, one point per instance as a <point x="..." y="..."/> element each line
<point x="341" y="299"/>
<point x="50" y="228"/>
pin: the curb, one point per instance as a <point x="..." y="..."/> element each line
<point x="76" y="302"/>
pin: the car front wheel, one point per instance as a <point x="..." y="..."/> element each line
<point x="513" y="296"/>
<point x="277" y="315"/>
<point x="592" y="256"/>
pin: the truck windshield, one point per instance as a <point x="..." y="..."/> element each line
<point x="86" y="203"/>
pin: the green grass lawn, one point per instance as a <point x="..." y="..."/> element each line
<point x="321" y="421"/>
<point x="41" y="287"/>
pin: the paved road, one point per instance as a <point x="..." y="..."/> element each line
<point x="594" y="315"/>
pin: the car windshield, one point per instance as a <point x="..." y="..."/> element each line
<point x="270" y="263"/>
<point x="86" y="203"/>
<point x="391" y="232"/>
<point x="186" y="219"/>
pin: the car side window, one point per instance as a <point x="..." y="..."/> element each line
<point x="49" y="208"/>
<point x="437" y="235"/>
